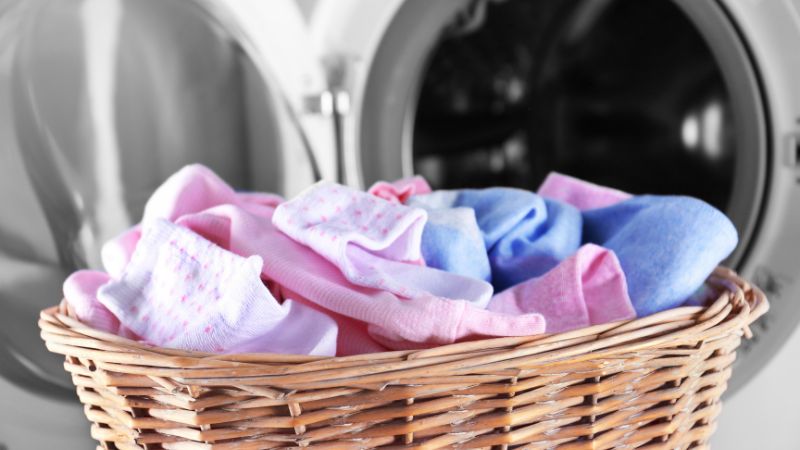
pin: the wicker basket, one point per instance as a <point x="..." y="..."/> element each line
<point x="648" y="383"/>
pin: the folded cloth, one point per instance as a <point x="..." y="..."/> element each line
<point x="666" y="245"/>
<point x="192" y="187"/>
<point x="116" y="253"/>
<point x="401" y="190"/>
<point x="427" y="320"/>
<point x="374" y="242"/>
<point x="182" y="291"/>
<point x="185" y="190"/>
<point x="579" y="193"/>
<point x="588" y="288"/>
<point x="452" y="241"/>
<point x="80" y="292"/>
<point x="524" y="234"/>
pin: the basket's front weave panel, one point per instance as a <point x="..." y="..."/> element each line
<point x="650" y="383"/>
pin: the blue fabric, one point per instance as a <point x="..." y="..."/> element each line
<point x="524" y="235"/>
<point x="667" y="246"/>
<point x="452" y="241"/>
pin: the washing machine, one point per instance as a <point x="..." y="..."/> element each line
<point x="695" y="97"/>
<point x="102" y="99"/>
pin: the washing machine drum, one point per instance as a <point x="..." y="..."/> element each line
<point x="648" y="96"/>
<point x="103" y="99"/>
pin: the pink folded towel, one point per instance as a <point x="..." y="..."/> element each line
<point x="578" y="193"/>
<point x="585" y="289"/>
<point x="401" y="190"/>
<point x="182" y="291"/>
<point x="374" y="242"/>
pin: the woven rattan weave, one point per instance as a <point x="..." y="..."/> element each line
<point x="651" y="383"/>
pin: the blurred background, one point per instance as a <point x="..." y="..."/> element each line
<point x="100" y="100"/>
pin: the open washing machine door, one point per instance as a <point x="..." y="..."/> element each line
<point x="103" y="99"/>
<point x="659" y="96"/>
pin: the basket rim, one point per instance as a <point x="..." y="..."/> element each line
<point x="738" y="304"/>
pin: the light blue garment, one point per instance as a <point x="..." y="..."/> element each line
<point x="667" y="246"/>
<point x="524" y="235"/>
<point x="452" y="241"/>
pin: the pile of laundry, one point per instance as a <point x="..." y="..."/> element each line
<point x="339" y="271"/>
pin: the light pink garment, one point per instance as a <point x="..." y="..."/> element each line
<point x="398" y="323"/>
<point x="585" y="289"/>
<point x="194" y="186"/>
<point x="80" y="291"/>
<point x="116" y="253"/>
<point x="578" y="193"/>
<point x="399" y="191"/>
<point x="182" y="291"/>
<point x="428" y="320"/>
<point x="352" y="339"/>
<point x="246" y="229"/>
<point x="371" y="240"/>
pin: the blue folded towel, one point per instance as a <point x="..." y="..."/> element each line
<point x="524" y="235"/>
<point x="452" y="241"/>
<point x="667" y="246"/>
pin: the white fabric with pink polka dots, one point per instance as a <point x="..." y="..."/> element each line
<point x="182" y="291"/>
<point x="374" y="242"/>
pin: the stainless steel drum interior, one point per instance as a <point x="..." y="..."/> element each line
<point x="107" y="98"/>
<point x="648" y="96"/>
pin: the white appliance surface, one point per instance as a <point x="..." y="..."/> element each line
<point x="31" y="422"/>
<point x="761" y="415"/>
<point x="764" y="414"/>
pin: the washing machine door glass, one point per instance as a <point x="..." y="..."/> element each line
<point x="102" y="100"/>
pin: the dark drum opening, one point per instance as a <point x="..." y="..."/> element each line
<point x="626" y="93"/>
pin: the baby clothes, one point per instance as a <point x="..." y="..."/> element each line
<point x="182" y="291"/>
<point x="588" y="288"/>
<point x="401" y="190"/>
<point x="80" y="291"/>
<point x="524" y="235"/>
<point x="452" y="241"/>
<point x="578" y="193"/>
<point x="374" y="242"/>
<point x="425" y="320"/>
<point x="193" y="186"/>
<point x="115" y="253"/>
<point x="666" y="245"/>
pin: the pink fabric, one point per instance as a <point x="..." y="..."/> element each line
<point x="246" y="228"/>
<point x="587" y="288"/>
<point x="590" y="284"/>
<point x="195" y="185"/>
<point x="369" y="239"/>
<point x="116" y="253"/>
<point x="578" y="193"/>
<point x="424" y="320"/>
<point x="401" y="190"/>
<point x="80" y="291"/>
<point x="182" y="291"/>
